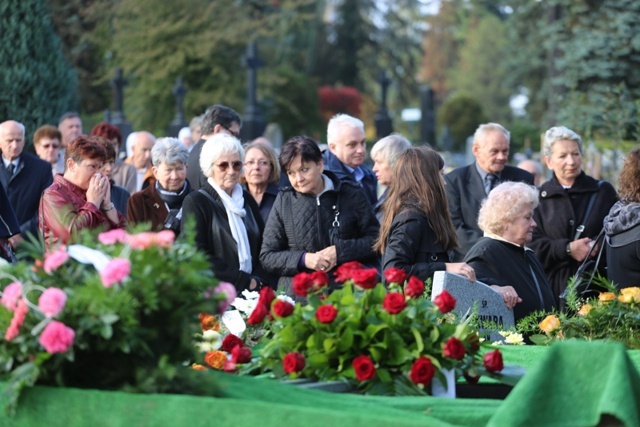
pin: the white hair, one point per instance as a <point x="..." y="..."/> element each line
<point x="216" y="146"/>
<point x="338" y="121"/>
<point x="559" y="133"/>
<point x="390" y="148"/>
<point x="169" y="151"/>
<point x="503" y="204"/>
<point x="185" y="132"/>
<point x="484" y="129"/>
<point x="130" y="140"/>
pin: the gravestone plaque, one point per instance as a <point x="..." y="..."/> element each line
<point x="490" y="305"/>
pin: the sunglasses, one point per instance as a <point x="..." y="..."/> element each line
<point x="232" y="133"/>
<point x="237" y="166"/>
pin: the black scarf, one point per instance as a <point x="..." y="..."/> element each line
<point x="174" y="202"/>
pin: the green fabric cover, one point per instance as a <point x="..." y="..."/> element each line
<point x="570" y="383"/>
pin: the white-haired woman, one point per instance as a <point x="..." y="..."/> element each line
<point x="161" y="202"/>
<point x="501" y="259"/>
<point x="572" y="208"/>
<point x="384" y="154"/>
<point x="227" y="219"/>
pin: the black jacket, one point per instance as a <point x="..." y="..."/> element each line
<point x="300" y="223"/>
<point x="268" y="199"/>
<point x="369" y="182"/>
<point x="213" y="235"/>
<point x="25" y="188"/>
<point x="465" y="193"/>
<point x="622" y="230"/>
<point x="501" y="263"/>
<point x="194" y="174"/>
<point x="557" y="222"/>
<point x="411" y="245"/>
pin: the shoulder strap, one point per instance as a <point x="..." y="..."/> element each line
<point x="592" y="199"/>
<point x="209" y="196"/>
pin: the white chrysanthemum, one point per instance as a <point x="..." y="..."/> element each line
<point x="212" y="337"/>
<point x="496" y="343"/>
<point x="286" y="298"/>
<point x="205" y="347"/>
<point x="504" y="333"/>
<point x="245" y="306"/>
<point x="250" y="294"/>
<point x="514" y="339"/>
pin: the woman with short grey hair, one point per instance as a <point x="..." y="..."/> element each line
<point x="227" y="219"/>
<point x="160" y="204"/>
<point x="385" y="154"/>
<point x="572" y="208"/>
<point x="501" y="258"/>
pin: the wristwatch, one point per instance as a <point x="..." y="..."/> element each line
<point x="568" y="249"/>
<point x="111" y="206"/>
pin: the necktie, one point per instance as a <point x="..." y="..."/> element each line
<point x="490" y="182"/>
<point x="11" y="168"/>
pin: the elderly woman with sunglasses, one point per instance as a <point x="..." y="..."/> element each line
<point x="227" y="219"/>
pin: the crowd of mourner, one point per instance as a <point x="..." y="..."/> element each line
<point x="263" y="217"/>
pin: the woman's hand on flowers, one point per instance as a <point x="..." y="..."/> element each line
<point x="461" y="268"/>
<point x="509" y="295"/>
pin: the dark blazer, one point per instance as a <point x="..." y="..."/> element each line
<point x="213" y="235"/>
<point x="411" y="245"/>
<point x="145" y="206"/>
<point x="369" y="182"/>
<point x="25" y="188"/>
<point x="8" y="223"/>
<point x="465" y="193"/>
<point x="194" y="174"/>
<point x="119" y="198"/>
<point x="501" y="263"/>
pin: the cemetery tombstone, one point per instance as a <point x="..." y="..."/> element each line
<point x="492" y="311"/>
<point x="384" y="125"/>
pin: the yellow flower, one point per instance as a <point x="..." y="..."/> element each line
<point x="629" y="295"/>
<point x="514" y="339"/>
<point x="584" y="310"/>
<point x="550" y="323"/>
<point x="198" y="367"/>
<point x="606" y="296"/>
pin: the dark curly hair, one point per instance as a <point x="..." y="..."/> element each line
<point x="629" y="179"/>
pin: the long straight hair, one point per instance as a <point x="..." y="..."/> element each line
<point x="417" y="183"/>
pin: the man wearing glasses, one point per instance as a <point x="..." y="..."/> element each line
<point x="47" y="141"/>
<point x="217" y="119"/>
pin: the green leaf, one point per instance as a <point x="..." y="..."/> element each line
<point x="384" y="375"/>
<point x="346" y="340"/>
<point x="329" y="344"/>
<point x="109" y="318"/>
<point x="106" y="331"/>
<point x="418" y="337"/>
<point x="318" y="360"/>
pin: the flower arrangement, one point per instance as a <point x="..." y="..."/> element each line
<point x="383" y="341"/>
<point x="612" y="315"/>
<point x="99" y="313"/>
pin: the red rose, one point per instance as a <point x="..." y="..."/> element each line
<point x="394" y="302"/>
<point x="453" y="349"/>
<point x="266" y="297"/>
<point x="326" y="313"/>
<point x="293" y="362"/>
<point x="366" y="279"/>
<point x="319" y="279"/>
<point x="445" y="302"/>
<point x="282" y="308"/>
<point x="493" y="361"/>
<point x="345" y="271"/>
<point x="414" y="287"/>
<point x="364" y="367"/>
<point x="301" y="284"/>
<point x="230" y="342"/>
<point x="395" y="275"/>
<point x="241" y="355"/>
<point x="257" y="315"/>
<point x="422" y="371"/>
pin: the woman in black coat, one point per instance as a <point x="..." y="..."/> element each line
<point x="622" y="227"/>
<point x="501" y="259"/>
<point x="319" y="222"/>
<point x="564" y="209"/>
<point x="228" y="224"/>
<point x="416" y="233"/>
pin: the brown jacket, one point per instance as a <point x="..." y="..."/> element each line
<point x="147" y="206"/>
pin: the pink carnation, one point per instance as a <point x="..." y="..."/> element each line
<point x="141" y="240"/>
<point x="57" y="337"/>
<point x="17" y="320"/>
<point x="111" y="237"/>
<point x="115" y="271"/>
<point x="230" y="293"/>
<point x="165" y="238"/>
<point x="11" y="295"/>
<point x="52" y="301"/>
<point x="53" y="260"/>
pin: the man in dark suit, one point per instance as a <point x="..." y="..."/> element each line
<point x="217" y="118"/>
<point x="467" y="186"/>
<point x="347" y="152"/>
<point x="23" y="176"/>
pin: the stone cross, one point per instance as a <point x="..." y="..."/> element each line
<point x="252" y="122"/>
<point x="384" y="125"/>
<point x="470" y="296"/>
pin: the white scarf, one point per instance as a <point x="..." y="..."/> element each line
<point x="234" y="205"/>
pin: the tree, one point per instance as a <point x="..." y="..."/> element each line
<point x="37" y="84"/>
<point x="461" y="114"/>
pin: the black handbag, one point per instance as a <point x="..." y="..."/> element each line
<point x="587" y="271"/>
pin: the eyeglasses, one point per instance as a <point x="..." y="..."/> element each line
<point x="237" y="166"/>
<point x="261" y="163"/>
<point x="232" y="133"/>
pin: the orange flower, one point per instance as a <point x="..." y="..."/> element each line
<point x="208" y="321"/>
<point x="606" y="296"/>
<point x="550" y="323"/>
<point x="629" y="295"/>
<point x="198" y="367"/>
<point x="584" y="310"/>
<point x="216" y="359"/>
